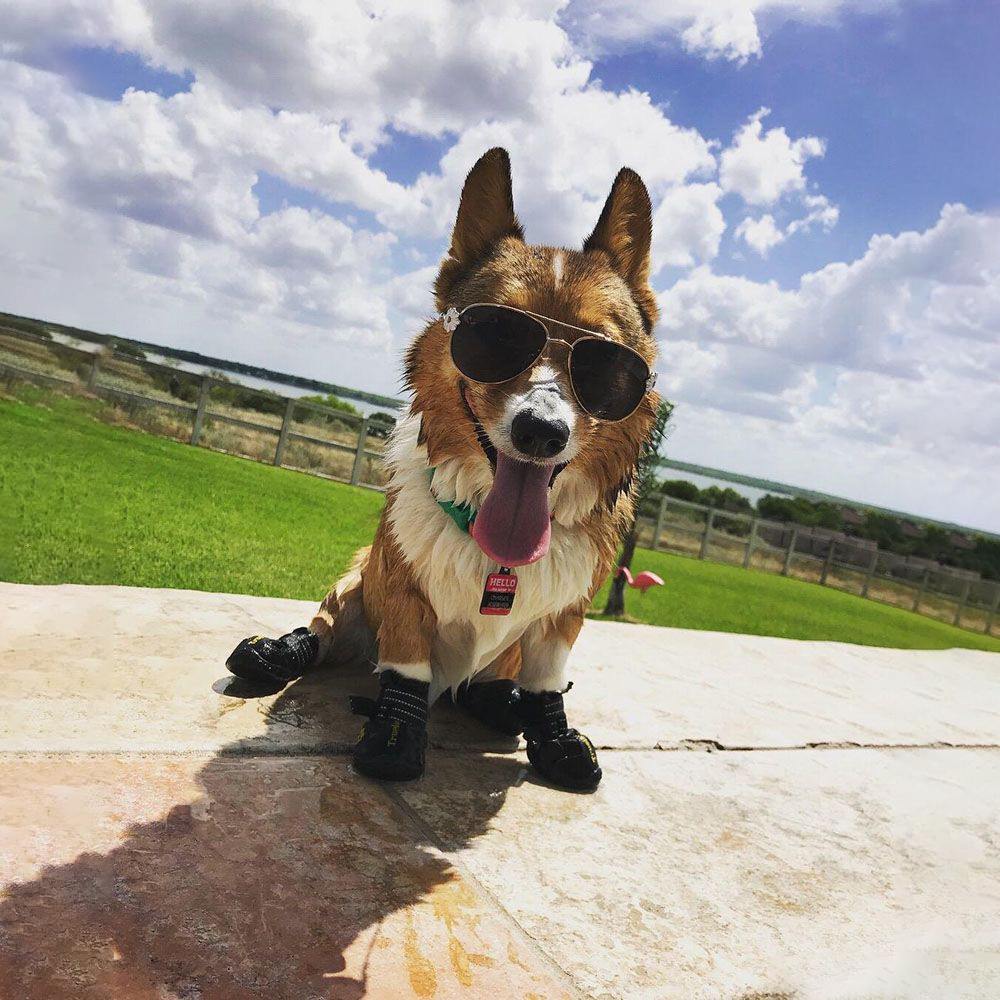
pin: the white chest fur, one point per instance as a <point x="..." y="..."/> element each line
<point x="452" y="569"/>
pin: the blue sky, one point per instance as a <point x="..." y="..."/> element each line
<point x="902" y="98"/>
<point x="276" y="184"/>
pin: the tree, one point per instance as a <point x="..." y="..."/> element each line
<point x="646" y="476"/>
<point x="724" y="499"/>
<point x="681" y="489"/>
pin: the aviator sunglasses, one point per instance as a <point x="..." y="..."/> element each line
<point x="492" y="344"/>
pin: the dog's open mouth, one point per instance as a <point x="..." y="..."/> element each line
<point x="514" y="525"/>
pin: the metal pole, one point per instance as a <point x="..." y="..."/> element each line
<point x="360" y="453"/>
<point x="279" y="451"/>
<point x="923" y="587"/>
<point x="748" y="555"/>
<point x="962" y="602"/>
<point x="704" y="538"/>
<point x="870" y="573"/>
<point x="659" y="521"/>
<point x="790" y="552"/>
<point x="199" y="414"/>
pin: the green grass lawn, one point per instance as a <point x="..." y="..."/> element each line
<point x="82" y="501"/>
<point x="85" y="502"/>
<point x="724" y="598"/>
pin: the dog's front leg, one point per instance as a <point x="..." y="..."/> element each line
<point x="392" y="743"/>
<point x="560" y="754"/>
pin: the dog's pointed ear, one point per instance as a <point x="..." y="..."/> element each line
<point x="485" y="216"/>
<point x="625" y="232"/>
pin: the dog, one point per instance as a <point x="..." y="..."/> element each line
<point x="512" y="479"/>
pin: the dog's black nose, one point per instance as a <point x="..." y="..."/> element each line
<point x="538" y="437"/>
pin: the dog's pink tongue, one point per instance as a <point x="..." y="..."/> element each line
<point x="513" y="525"/>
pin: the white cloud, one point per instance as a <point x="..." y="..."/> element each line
<point x="563" y="163"/>
<point x="161" y="190"/>
<point x="152" y="199"/>
<point x="767" y="168"/>
<point x="871" y="314"/>
<point x="426" y="68"/>
<point x="687" y="226"/>
<point x="763" y="233"/>
<point x="714" y="29"/>
<point x="952" y="484"/>
<point x="898" y="351"/>
<point x="705" y="307"/>
<point x="760" y="234"/>
<point x="727" y="31"/>
<point x="762" y="166"/>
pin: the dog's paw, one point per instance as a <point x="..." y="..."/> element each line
<point x="393" y="742"/>
<point x="274" y="660"/>
<point x="568" y="761"/>
<point x="391" y="750"/>
<point x="496" y="704"/>
<point x="561" y="755"/>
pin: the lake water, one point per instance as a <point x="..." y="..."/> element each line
<point x="251" y="381"/>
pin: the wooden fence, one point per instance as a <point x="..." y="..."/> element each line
<point x="98" y="373"/>
<point x="830" y="558"/>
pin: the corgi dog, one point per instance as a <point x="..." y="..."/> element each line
<point x="511" y="483"/>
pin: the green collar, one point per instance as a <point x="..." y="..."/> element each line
<point x="461" y="513"/>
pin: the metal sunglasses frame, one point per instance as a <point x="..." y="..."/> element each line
<point x="452" y="316"/>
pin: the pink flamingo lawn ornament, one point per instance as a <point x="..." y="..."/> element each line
<point x="642" y="581"/>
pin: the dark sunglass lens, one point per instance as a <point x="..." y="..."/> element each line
<point x="610" y="380"/>
<point x="493" y="344"/>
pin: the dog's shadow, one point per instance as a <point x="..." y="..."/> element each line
<point x="256" y="886"/>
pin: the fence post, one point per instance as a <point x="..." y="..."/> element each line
<point x="922" y="589"/>
<point x="748" y="555"/>
<point x="870" y="573"/>
<point x="279" y="451"/>
<point x="993" y="610"/>
<point x="826" y="562"/>
<point x="199" y="414"/>
<point x="360" y="453"/>
<point x="94" y="369"/>
<point x="962" y="602"/>
<point x="790" y="552"/>
<point x="704" y="538"/>
<point x="659" y="521"/>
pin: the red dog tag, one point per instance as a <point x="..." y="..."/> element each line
<point x="498" y="594"/>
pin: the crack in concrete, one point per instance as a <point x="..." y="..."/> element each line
<point x="339" y="749"/>
<point x="714" y="746"/>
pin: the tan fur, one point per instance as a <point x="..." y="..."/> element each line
<point x="340" y="622"/>
<point x="604" y="287"/>
<point x="507" y="665"/>
<point x="395" y="608"/>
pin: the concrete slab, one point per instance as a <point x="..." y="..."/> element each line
<point x="166" y="841"/>
<point x="833" y="874"/>
<point x="113" y="668"/>
<point x="191" y="878"/>
<point x="120" y="669"/>
<point x="645" y="686"/>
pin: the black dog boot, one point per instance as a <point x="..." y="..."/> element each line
<point x="559" y="754"/>
<point x="496" y="704"/>
<point x="275" y="661"/>
<point x="392" y="742"/>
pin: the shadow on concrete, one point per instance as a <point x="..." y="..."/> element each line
<point x="256" y="887"/>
